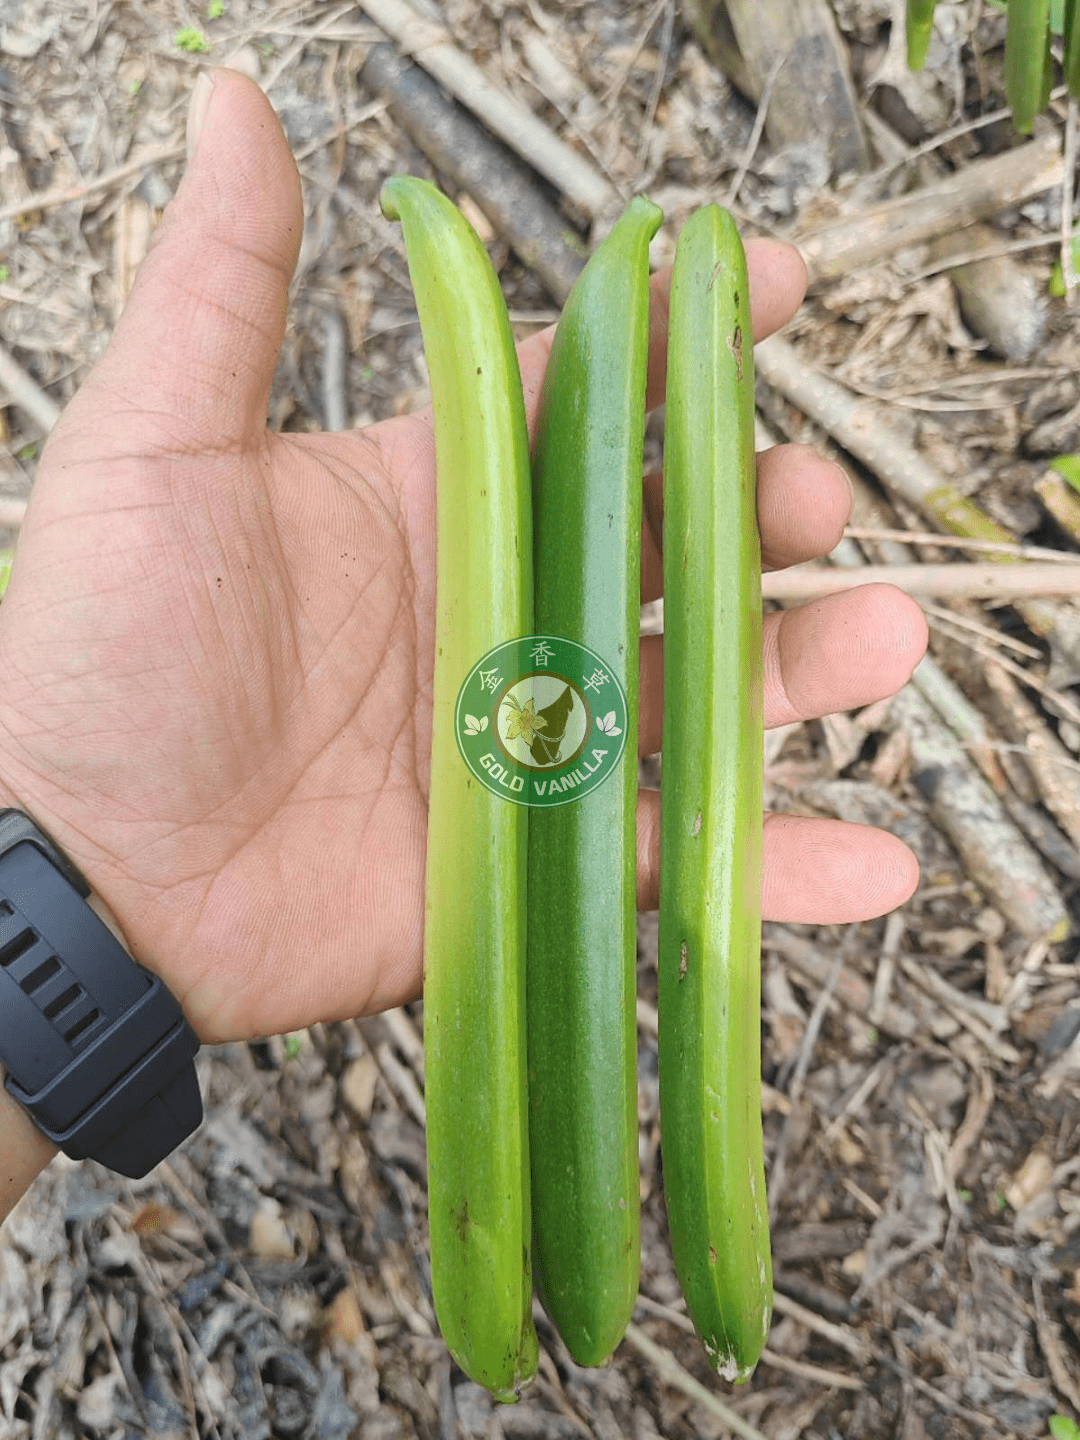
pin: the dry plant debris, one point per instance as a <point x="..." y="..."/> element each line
<point x="922" y="1096"/>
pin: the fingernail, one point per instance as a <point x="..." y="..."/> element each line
<point x="200" y="103"/>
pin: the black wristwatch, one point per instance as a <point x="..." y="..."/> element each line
<point x="96" y="1048"/>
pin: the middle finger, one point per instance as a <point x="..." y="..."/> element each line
<point x="803" y="504"/>
<point x="828" y="656"/>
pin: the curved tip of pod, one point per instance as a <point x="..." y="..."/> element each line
<point x="400" y="192"/>
<point x="510" y="1394"/>
<point x="641" y="207"/>
<point x="734" y="1351"/>
<point x="390" y="195"/>
<point x="714" y="216"/>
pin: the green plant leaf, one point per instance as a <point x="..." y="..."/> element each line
<point x="1057" y="12"/>
<point x="215" y="9"/>
<point x="192" y="41"/>
<point x="1068" y="467"/>
<point x="1026" y="47"/>
<point x="1071" y="32"/>
<point x="1062" y="1428"/>
<point x="920" y="27"/>
<point x="1056" y="284"/>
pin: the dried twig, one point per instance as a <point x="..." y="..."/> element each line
<point x="1050" y="1345"/>
<point x="577" y="178"/>
<point x="1058" y="783"/>
<point x="670" y="1371"/>
<point x="850" y="989"/>
<point x="969" y="582"/>
<point x="965" y="809"/>
<point x="401" y="1081"/>
<point x="303" y="38"/>
<point x="1056" y="699"/>
<point x="976" y="192"/>
<point x="964" y="542"/>
<point x="63" y="194"/>
<point x="953" y="620"/>
<point x="461" y="149"/>
<point x="756" y="133"/>
<point x="838" y="1335"/>
<point x="980" y="1017"/>
<point x="664" y="54"/>
<point x="24" y="391"/>
<point x="862" y="427"/>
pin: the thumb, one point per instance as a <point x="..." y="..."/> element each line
<point x="193" y="355"/>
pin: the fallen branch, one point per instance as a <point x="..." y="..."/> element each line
<point x="63" y="194"/>
<point x="977" y="811"/>
<point x="670" y="1371"/>
<point x="577" y="178"/>
<point x="962" y="542"/>
<point x="862" y="428"/>
<point x="968" y="582"/>
<point x="975" y="192"/>
<point x="24" y="391"/>
<point x="967" y="811"/>
<point x="459" y="148"/>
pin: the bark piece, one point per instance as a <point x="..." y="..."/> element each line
<point x="999" y="300"/>
<point x="964" y="807"/>
<point x="976" y="192"/>
<point x="862" y="427"/>
<point x="577" y="178"/>
<point x="812" y="94"/>
<point x="461" y="149"/>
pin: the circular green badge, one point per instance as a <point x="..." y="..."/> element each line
<point x="541" y="720"/>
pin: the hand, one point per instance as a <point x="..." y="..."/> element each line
<point x="217" y="643"/>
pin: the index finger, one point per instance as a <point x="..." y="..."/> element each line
<point x="777" y="285"/>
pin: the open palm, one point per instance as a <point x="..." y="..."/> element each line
<point x="217" y="644"/>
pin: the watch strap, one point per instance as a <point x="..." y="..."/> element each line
<point x="96" y="1047"/>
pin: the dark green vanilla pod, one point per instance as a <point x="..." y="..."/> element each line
<point x="582" y="947"/>
<point x="711" y="795"/>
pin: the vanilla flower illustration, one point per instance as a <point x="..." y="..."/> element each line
<point x="524" y="722"/>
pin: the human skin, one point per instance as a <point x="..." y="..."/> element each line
<point x="217" y="641"/>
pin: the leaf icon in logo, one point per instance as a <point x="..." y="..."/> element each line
<point x="473" y="726"/>
<point x="607" y="724"/>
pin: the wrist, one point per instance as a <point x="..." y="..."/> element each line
<point x="24" y="1152"/>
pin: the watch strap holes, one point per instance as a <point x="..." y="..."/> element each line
<point x="45" y="971"/>
<point x="16" y="946"/>
<point x="70" y="995"/>
<point x="81" y="1026"/>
